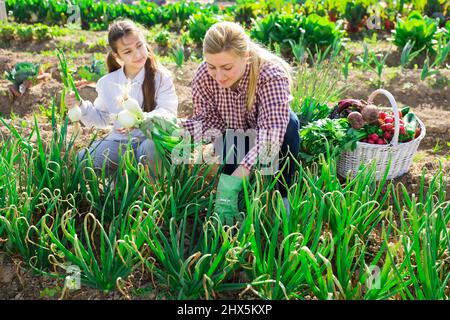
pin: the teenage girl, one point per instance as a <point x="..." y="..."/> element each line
<point x="130" y="61"/>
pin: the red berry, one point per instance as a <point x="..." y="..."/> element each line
<point x="389" y="119"/>
<point x="373" y="136"/>
<point x="387" y="135"/>
<point x="380" y="141"/>
<point x="382" y="115"/>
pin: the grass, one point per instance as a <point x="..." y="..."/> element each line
<point x="420" y="156"/>
<point x="177" y="55"/>
<point x="164" y="60"/>
<point x="56" y="211"/>
<point x="438" y="147"/>
<point x="319" y="83"/>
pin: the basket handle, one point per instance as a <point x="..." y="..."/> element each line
<point x="394" y="106"/>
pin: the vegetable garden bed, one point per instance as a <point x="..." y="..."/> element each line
<point x="147" y="240"/>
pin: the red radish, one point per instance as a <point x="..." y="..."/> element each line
<point x="387" y="135"/>
<point x="373" y="136"/>
<point x="417" y="132"/>
<point x="332" y="16"/>
<point x="356" y="120"/>
<point x="402" y="130"/>
<point x="371" y="141"/>
<point x="389" y="25"/>
<point x="380" y="141"/>
<point x="389" y="127"/>
<point x="389" y="119"/>
<point x="383" y="126"/>
<point x="382" y="115"/>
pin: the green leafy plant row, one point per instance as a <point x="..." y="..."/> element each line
<point x="283" y="29"/>
<point x="24" y="33"/>
<point x="98" y="14"/>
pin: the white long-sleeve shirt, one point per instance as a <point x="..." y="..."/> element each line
<point x="101" y="113"/>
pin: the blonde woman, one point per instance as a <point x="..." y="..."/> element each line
<point x="241" y="85"/>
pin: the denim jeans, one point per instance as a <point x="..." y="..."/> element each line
<point x="108" y="150"/>
<point x="291" y="143"/>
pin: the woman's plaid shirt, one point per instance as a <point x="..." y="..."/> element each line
<point x="220" y="109"/>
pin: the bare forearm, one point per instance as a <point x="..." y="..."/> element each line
<point x="241" y="171"/>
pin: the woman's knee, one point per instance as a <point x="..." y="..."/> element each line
<point x="293" y="126"/>
<point x="292" y="138"/>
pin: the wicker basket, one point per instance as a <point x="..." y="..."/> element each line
<point x="400" y="154"/>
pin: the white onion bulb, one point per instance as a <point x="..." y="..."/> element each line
<point x="74" y="114"/>
<point x="126" y="119"/>
<point x="133" y="106"/>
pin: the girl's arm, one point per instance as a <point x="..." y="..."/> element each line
<point x="96" y="114"/>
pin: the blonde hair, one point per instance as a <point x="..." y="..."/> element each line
<point x="230" y="36"/>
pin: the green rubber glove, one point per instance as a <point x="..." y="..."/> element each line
<point x="226" y="204"/>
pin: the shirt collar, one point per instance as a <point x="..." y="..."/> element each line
<point x="139" y="78"/>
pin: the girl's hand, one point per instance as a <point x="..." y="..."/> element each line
<point x="124" y="130"/>
<point x="70" y="100"/>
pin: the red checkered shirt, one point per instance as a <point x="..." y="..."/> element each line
<point x="225" y="108"/>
